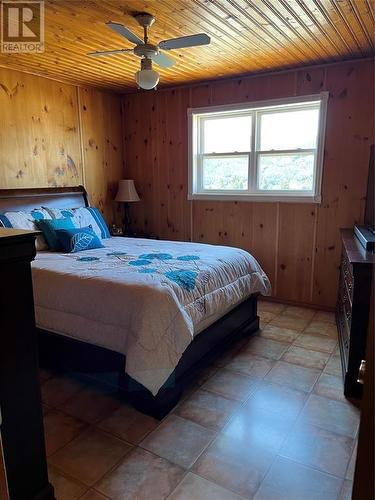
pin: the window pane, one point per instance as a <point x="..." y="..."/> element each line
<point x="227" y="135"/>
<point x="286" y="172"/>
<point x="225" y="173"/>
<point x="289" y="130"/>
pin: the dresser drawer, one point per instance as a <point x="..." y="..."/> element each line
<point x="347" y="276"/>
<point x="344" y="333"/>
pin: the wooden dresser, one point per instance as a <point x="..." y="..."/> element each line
<point x="21" y="422"/>
<point x="353" y="305"/>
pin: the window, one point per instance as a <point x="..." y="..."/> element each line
<point x="272" y="150"/>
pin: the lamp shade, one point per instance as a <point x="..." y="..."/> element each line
<point x="126" y="191"/>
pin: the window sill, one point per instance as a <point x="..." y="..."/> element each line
<point x="257" y="198"/>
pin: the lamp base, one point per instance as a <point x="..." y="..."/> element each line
<point x="126" y="221"/>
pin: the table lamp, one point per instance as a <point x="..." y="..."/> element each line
<point x="126" y="193"/>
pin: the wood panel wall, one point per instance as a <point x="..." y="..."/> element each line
<point x="297" y="244"/>
<point x="55" y="134"/>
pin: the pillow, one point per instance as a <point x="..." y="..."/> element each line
<point x="26" y="220"/>
<point x="78" y="239"/>
<point x="49" y="228"/>
<point x="83" y="217"/>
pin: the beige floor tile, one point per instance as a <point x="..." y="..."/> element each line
<point x="346" y="492"/>
<point x="265" y="318"/>
<point x="90" y="456"/>
<point x="129" y="424"/>
<point x="330" y="386"/>
<point x="207" y="409"/>
<point x="57" y="390"/>
<point x="276" y="398"/>
<point x="60" y="429"/>
<point x="351" y="467"/>
<point x="319" y="448"/>
<point x="93" y="495"/>
<point x="294" y="376"/>
<point x="93" y="403"/>
<point x="234" y="465"/>
<point x="225" y="358"/>
<point x="258" y="428"/>
<point x="336" y="351"/>
<point x="319" y="343"/>
<point x="280" y="334"/>
<point x="335" y="416"/>
<point x="292" y="323"/>
<point x="333" y="366"/>
<point x="266" y="347"/>
<point x="141" y="475"/>
<point x="321" y="328"/>
<point x="231" y="385"/>
<point x="178" y="440"/>
<point x="288" y="480"/>
<point x="299" y="312"/>
<point x="205" y="374"/>
<point x="194" y="487"/>
<point x="270" y="307"/>
<point x="329" y="317"/>
<point x="65" y="488"/>
<point x="306" y="357"/>
<point x="250" y="364"/>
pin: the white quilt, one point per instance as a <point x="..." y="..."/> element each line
<point x="143" y="298"/>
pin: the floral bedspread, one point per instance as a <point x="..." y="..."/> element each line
<point x="143" y="298"/>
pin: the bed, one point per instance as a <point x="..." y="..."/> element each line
<point x="153" y="312"/>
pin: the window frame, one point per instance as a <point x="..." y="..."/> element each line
<point x="255" y="109"/>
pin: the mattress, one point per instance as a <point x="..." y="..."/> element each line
<point x="143" y="298"/>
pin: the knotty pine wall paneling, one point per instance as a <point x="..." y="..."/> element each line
<point x="39" y="133"/>
<point x="102" y="144"/>
<point x="55" y="134"/>
<point x="298" y="244"/>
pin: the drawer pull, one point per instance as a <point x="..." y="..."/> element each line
<point x="361" y="372"/>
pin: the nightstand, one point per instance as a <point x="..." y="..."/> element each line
<point x="147" y="236"/>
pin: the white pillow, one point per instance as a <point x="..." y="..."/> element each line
<point x="26" y="220"/>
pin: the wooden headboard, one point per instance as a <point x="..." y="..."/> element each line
<point x="26" y="199"/>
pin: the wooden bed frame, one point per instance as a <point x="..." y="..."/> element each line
<point x="59" y="352"/>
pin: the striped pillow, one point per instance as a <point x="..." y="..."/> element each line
<point x="26" y="220"/>
<point x="83" y="217"/>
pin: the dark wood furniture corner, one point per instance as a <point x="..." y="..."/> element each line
<point x="353" y="305"/>
<point x="22" y="433"/>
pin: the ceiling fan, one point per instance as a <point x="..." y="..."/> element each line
<point x="147" y="78"/>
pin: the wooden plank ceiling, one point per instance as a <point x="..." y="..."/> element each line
<point x="248" y="36"/>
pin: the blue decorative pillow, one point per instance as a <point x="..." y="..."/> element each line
<point x="78" y="239"/>
<point x="83" y="217"/>
<point x="49" y="227"/>
<point x="100" y="221"/>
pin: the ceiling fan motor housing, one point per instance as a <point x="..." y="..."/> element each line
<point x="146" y="50"/>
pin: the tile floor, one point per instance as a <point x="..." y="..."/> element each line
<point x="267" y="420"/>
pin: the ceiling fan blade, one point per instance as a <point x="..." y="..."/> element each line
<point x="185" y="41"/>
<point x="163" y="60"/>
<point x="121" y="30"/>
<point x="108" y="52"/>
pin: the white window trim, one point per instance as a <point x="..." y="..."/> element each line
<point x="313" y="196"/>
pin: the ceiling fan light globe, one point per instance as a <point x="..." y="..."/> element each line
<point x="147" y="79"/>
